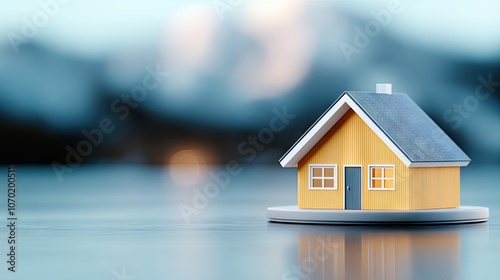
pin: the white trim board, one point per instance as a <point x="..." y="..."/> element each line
<point x="330" y="118"/>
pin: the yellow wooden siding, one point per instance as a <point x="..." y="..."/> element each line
<point x="436" y="187"/>
<point x="352" y="142"/>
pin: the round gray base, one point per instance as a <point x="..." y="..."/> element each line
<point x="462" y="214"/>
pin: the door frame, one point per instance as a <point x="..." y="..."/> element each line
<point x="361" y="182"/>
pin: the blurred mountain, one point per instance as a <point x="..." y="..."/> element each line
<point x="198" y="78"/>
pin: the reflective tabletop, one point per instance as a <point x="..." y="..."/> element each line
<point x="142" y="222"/>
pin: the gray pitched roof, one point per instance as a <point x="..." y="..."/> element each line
<point x="408" y="127"/>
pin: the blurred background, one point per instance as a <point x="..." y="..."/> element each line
<point x="159" y="82"/>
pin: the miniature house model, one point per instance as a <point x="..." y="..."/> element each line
<point x="376" y="151"/>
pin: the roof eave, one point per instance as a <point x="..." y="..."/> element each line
<point x="440" y="164"/>
<point x="418" y="164"/>
<point x="331" y="115"/>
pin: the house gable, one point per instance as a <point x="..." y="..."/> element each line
<point x="351" y="142"/>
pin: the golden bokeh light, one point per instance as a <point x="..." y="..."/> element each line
<point x="188" y="167"/>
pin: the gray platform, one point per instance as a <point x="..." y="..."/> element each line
<point x="460" y="215"/>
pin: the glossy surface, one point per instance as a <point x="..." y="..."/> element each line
<point x="120" y="222"/>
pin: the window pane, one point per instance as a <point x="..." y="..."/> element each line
<point x="317" y="172"/>
<point x="376" y="183"/>
<point x="317" y="183"/>
<point x="376" y="172"/>
<point x="328" y="171"/>
<point x="329" y="183"/>
<point x="389" y="172"/>
<point x="389" y="184"/>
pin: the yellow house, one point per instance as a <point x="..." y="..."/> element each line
<point x="376" y="151"/>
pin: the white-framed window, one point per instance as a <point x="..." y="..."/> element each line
<point x="381" y="177"/>
<point x="323" y="176"/>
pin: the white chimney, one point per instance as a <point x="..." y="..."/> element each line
<point x="384" y="88"/>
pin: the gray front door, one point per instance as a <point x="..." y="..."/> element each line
<point x="352" y="188"/>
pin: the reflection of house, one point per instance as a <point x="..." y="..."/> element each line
<point x="379" y="255"/>
<point x="376" y="151"/>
